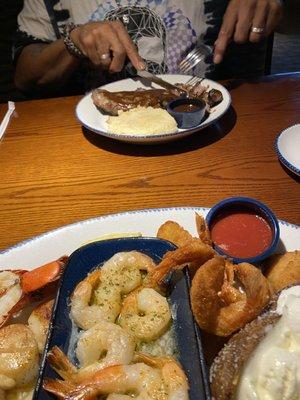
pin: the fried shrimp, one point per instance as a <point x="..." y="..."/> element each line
<point x="38" y="322"/>
<point x="163" y="380"/>
<point x="103" y="345"/>
<point x="146" y="314"/>
<point x="99" y="296"/>
<point x="224" y="297"/>
<point x="194" y="251"/>
<point x="19" y="357"/>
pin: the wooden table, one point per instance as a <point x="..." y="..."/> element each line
<point x="52" y="172"/>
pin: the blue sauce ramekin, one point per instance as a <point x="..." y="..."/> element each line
<point x="188" y="118"/>
<point x="245" y="205"/>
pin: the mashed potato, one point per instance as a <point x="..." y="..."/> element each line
<point x="142" y="121"/>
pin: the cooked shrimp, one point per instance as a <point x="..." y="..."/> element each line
<point x="22" y="393"/>
<point x="10" y="292"/>
<point x="174" y="378"/>
<point x="85" y="311"/>
<point x="146" y="314"/>
<point x="38" y="322"/>
<point x="18" y="287"/>
<point x="126" y="270"/>
<point x="104" y="338"/>
<point x="99" y="296"/>
<point x="19" y="356"/>
<point x="194" y="251"/>
<point x="163" y="381"/>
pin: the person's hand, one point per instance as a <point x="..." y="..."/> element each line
<point x="107" y="44"/>
<point x="246" y="20"/>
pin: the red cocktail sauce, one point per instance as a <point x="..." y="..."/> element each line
<point x="241" y="234"/>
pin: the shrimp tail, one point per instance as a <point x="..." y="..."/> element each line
<point x="61" y="364"/>
<point x="152" y="361"/>
<point x="202" y="229"/>
<point x="60" y="389"/>
<point x="194" y="251"/>
<point x="66" y="390"/>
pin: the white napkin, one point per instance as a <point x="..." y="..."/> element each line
<point x="5" y="121"/>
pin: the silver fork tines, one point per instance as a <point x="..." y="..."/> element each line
<point x="195" y="80"/>
<point x="195" y="56"/>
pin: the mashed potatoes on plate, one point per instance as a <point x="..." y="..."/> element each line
<point x="142" y="121"/>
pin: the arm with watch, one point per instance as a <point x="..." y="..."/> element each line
<point x="104" y="44"/>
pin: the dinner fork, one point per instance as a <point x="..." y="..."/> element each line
<point x="194" y="57"/>
<point x="194" y="81"/>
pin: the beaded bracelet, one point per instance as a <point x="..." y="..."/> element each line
<point x="70" y="45"/>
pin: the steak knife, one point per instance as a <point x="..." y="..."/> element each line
<point x="155" y="79"/>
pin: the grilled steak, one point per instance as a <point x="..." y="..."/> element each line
<point x="112" y="102"/>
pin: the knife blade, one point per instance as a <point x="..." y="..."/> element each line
<point x="155" y="79"/>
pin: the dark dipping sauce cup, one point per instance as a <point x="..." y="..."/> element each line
<point x="188" y="113"/>
<point x="243" y="229"/>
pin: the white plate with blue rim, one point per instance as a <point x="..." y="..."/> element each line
<point x="51" y="245"/>
<point x="91" y="118"/>
<point x="288" y="148"/>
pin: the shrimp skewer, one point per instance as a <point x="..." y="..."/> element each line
<point x="18" y="288"/>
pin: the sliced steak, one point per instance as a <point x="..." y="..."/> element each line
<point x="112" y="102"/>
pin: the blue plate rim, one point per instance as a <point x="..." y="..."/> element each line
<point x="101" y="217"/>
<point x="284" y="161"/>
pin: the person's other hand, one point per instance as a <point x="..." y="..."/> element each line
<point x="241" y="17"/>
<point x="107" y="44"/>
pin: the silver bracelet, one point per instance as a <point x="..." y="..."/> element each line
<point x="70" y="45"/>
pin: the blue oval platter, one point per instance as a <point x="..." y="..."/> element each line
<point x="187" y="333"/>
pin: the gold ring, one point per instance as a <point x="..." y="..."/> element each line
<point x="105" y="56"/>
<point x="256" y="29"/>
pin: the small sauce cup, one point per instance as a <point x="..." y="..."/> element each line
<point x="188" y="113"/>
<point x="243" y="229"/>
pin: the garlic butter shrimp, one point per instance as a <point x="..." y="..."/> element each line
<point x="104" y="338"/>
<point x="174" y="378"/>
<point x="38" y="322"/>
<point x="126" y="269"/>
<point x="146" y="314"/>
<point x="99" y="296"/>
<point x="163" y="380"/>
<point x="86" y="310"/>
<point x="19" y="357"/>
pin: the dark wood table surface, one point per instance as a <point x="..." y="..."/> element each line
<point x="53" y="172"/>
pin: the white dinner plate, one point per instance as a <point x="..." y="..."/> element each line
<point x="288" y="148"/>
<point x="90" y="117"/>
<point x="51" y="245"/>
